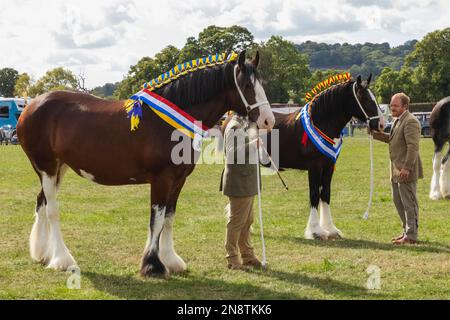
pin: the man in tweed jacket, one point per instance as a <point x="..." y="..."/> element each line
<point x="406" y="166"/>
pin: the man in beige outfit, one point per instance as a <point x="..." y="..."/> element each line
<point x="406" y="166"/>
<point x="239" y="183"/>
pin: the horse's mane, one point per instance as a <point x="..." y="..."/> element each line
<point x="191" y="83"/>
<point x="195" y="81"/>
<point x="199" y="86"/>
<point x="323" y="103"/>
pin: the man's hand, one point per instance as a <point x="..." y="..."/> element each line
<point x="404" y="174"/>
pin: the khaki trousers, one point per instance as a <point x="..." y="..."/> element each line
<point x="237" y="236"/>
<point x="405" y="201"/>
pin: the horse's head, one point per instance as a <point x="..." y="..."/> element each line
<point x="366" y="107"/>
<point x="249" y="97"/>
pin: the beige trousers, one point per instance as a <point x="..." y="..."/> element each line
<point x="405" y="200"/>
<point x="237" y="238"/>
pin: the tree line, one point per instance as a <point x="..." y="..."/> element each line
<point x="419" y="68"/>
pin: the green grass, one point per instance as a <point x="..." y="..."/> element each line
<point x="106" y="229"/>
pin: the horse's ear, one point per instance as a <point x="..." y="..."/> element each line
<point x="242" y="60"/>
<point x="256" y="60"/>
<point x="369" y="79"/>
<point x="358" y="81"/>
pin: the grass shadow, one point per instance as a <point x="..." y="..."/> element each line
<point x="337" y="289"/>
<point x="184" y="286"/>
<point x="188" y="286"/>
<point x="423" y="246"/>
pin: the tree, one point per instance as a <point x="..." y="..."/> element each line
<point x="215" y="39"/>
<point x="190" y="51"/>
<point x="105" y="91"/>
<point x="432" y="74"/>
<point x="22" y="86"/>
<point x="391" y="82"/>
<point x="56" y="79"/>
<point x="81" y="82"/>
<point x="211" y="40"/>
<point x="145" y="70"/>
<point x="284" y="69"/>
<point x="359" y="58"/>
<point x="320" y="75"/>
<point x="167" y="58"/>
<point x="8" y="78"/>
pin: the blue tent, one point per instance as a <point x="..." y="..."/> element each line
<point x="10" y="110"/>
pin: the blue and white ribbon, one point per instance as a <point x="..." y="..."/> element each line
<point x="326" y="148"/>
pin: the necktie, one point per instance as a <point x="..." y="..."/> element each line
<point x="394" y="126"/>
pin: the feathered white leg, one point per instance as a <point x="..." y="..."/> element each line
<point x="435" y="190"/>
<point x="326" y="221"/>
<point x="313" y="229"/>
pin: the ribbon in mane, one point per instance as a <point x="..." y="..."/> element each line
<point x="166" y="110"/>
<point x="323" y="143"/>
<point x="325" y="84"/>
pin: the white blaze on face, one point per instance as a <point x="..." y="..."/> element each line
<point x="266" y="119"/>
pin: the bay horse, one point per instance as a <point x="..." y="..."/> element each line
<point x="440" y="132"/>
<point x="330" y="111"/>
<point x="62" y="129"/>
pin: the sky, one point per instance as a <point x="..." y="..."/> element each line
<point x="100" y="39"/>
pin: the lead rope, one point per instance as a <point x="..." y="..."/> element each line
<point x="258" y="179"/>
<point x="366" y="214"/>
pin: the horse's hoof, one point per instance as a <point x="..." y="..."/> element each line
<point x="178" y="269"/>
<point x="173" y="262"/>
<point x="318" y="236"/>
<point x="154" y="268"/>
<point x="61" y="263"/>
<point x="435" y="196"/>
<point x="151" y="272"/>
<point x="60" y="266"/>
<point x="335" y="236"/>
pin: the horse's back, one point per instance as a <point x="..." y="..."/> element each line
<point x="55" y="114"/>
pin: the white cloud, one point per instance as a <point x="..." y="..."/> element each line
<point x="102" y="38"/>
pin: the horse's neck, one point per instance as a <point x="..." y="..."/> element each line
<point x="335" y="118"/>
<point x="208" y="113"/>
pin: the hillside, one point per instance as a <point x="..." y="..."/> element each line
<point x="358" y="58"/>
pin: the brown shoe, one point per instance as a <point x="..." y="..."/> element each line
<point x="403" y="241"/>
<point x="237" y="266"/>
<point x="254" y="263"/>
<point x="398" y="238"/>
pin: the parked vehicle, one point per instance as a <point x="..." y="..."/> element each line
<point x="10" y="110"/>
<point x="6" y="134"/>
<point x="424" y="119"/>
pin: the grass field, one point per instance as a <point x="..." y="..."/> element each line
<point x="106" y="228"/>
